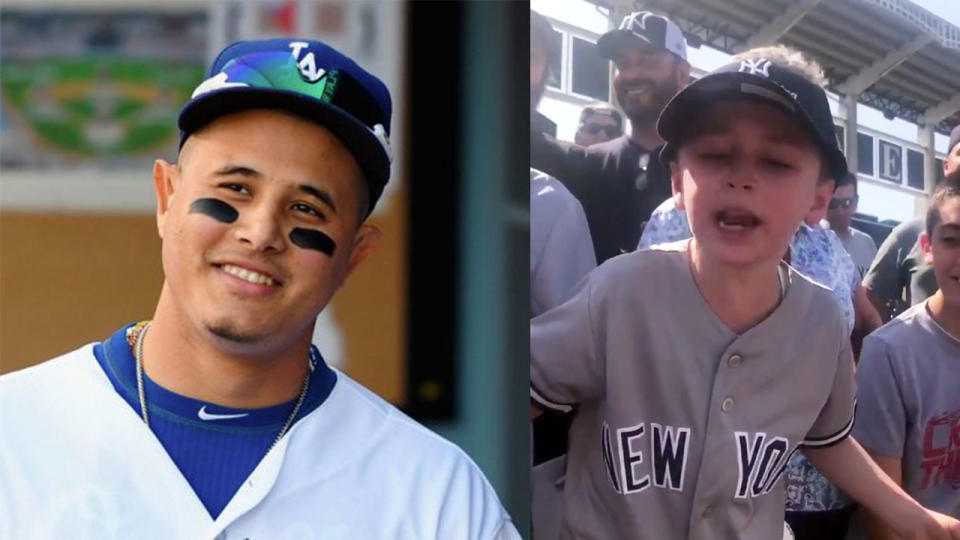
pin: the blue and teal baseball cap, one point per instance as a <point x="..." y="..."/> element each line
<point x="307" y="78"/>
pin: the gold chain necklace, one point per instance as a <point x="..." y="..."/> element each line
<point x="140" y="331"/>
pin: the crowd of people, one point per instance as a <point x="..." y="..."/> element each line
<point x="705" y="319"/>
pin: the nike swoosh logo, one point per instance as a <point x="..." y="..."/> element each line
<point x="204" y="415"/>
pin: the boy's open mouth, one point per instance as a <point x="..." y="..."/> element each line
<point x="736" y="219"/>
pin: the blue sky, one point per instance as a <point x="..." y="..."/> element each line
<point x="947" y="9"/>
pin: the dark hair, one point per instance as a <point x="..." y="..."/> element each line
<point x="945" y="190"/>
<point x="849" y="180"/>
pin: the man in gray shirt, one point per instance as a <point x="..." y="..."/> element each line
<point x="858" y="244"/>
<point x="898" y="277"/>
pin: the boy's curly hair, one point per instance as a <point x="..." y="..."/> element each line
<point x="787" y="57"/>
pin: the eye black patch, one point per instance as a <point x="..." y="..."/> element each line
<point x="216" y="209"/>
<point x="312" y="239"/>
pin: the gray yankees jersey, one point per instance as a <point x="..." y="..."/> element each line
<point x="683" y="428"/>
<point x="561" y="251"/>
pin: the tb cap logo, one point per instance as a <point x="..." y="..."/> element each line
<point x="307" y="64"/>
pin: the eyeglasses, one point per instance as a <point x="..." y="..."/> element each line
<point x="843" y="203"/>
<point x="593" y="129"/>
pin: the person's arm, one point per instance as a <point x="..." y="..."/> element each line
<point x="871" y="522"/>
<point x="848" y="465"/>
<point x="884" y="281"/>
<point x="866" y="317"/>
<point x="566" y="360"/>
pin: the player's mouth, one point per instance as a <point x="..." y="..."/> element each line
<point x="638" y="90"/>
<point x="249" y="275"/>
<point x="736" y="220"/>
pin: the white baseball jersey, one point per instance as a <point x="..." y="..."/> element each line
<point x="684" y="428"/>
<point x="77" y="462"/>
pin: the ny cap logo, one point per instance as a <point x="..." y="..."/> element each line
<point x="759" y="66"/>
<point x="631" y="21"/>
<point x="307" y="64"/>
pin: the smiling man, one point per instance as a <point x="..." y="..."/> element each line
<point x="218" y="418"/>
<point x="621" y="181"/>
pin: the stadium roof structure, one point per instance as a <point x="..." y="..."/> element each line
<point x="892" y="55"/>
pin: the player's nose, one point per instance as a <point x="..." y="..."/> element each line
<point x="260" y="228"/>
<point x="742" y="175"/>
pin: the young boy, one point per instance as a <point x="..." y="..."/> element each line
<point x="699" y="367"/>
<point x="909" y="377"/>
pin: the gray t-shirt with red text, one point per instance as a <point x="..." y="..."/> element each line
<point x="909" y="405"/>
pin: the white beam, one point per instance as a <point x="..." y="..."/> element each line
<point x="850" y="132"/>
<point x="863" y="79"/>
<point x="780" y="25"/>
<point x="925" y="136"/>
<point x="941" y="110"/>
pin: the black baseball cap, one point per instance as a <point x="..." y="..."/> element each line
<point x="643" y="27"/>
<point x="954" y="138"/>
<point x="761" y="80"/>
<point x="307" y="78"/>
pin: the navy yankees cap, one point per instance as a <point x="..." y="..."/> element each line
<point x="307" y="78"/>
<point x="643" y="27"/>
<point x="762" y="80"/>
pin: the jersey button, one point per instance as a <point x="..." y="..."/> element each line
<point x="734" y="360"/>
<point x="726" y="405"/>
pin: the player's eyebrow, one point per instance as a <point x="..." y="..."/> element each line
<point x="230" y="170"/>
<point x="320" y="194"/>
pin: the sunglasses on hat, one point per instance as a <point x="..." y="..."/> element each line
<point x="843" y="203"/>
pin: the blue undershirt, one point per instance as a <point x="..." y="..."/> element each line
<point x="218" y="454"/>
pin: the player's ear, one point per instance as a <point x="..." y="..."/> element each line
<point x="927" y="248"/>
<point x="676" y="184"/>
<point x="365" y="242"/>
<point x="682" y="73"/>
<point x="165" y="179"/>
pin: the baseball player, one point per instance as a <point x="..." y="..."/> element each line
<point x="698" y="368"/>
<point x="218" y="419"/>
<point x="909" y="413"/>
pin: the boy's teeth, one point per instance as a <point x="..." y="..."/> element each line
<point x="725" y="225"/>
<point x="247" y="275"/>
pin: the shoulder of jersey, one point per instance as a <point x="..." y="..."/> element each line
<point x="550" y="194"/>
<point x="40" y="379"/>
<point x="625" y="269"/>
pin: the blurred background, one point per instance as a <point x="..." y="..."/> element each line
<point x="435" y="322"/>
<point x="891" y="67"/>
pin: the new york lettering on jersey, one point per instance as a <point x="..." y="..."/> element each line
<point x="762" y="459"/>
